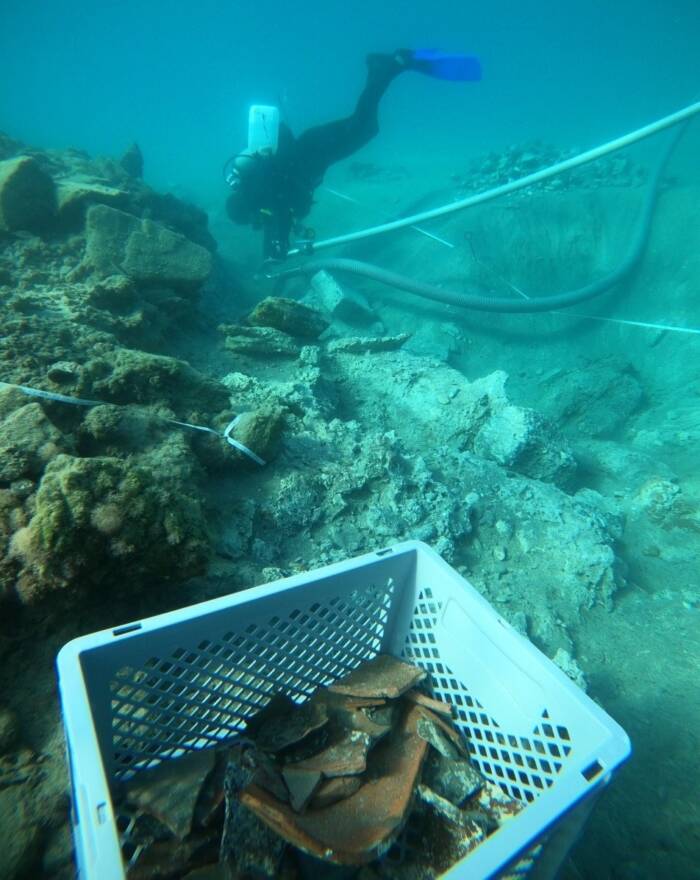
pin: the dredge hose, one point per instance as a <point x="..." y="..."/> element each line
<point x="486" y="303"/>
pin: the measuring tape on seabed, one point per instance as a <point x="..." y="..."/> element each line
<point x="79" y="401"/>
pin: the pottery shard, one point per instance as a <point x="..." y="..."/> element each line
<point x="347" y="713"/>
<point x="382" y="676"/>
<point x="344" y="758"/>
<point x="170" y="791"/>
<point x="360" y="828"/>
<point x="283" y="725"/>
<point x="430" y="703"/>
<point x="27" y="195"/>
<point x="143" y="250"/>
<point x="301" y="785"/>
<point x="333" y="790"/>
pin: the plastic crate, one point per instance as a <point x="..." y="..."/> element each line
<point x="189" y="679"/>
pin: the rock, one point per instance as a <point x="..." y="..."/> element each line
<point x="21" y="836"/>
<point x="9" y="729"/>
<point x="570" y="667"/>
<point x="27" y="441"/>
<point x="27" y="196"/>
<point x="596" y="401"/>
<point x="132" y="161"/>
<point x="260" y="431"/>
<point x="365" y="345"/>
<point x="340" y="303"/>
<point x="127" y="375"/>
<point x="116" y="293"/>
<point x="260" y="341"/>
<point x="143" y="250"/>
<point x="525" y="441"/>
<point x="103" y="519"/>
<point x="183" y="217"/>
<point x="64" y="372"/>
<point x="289" y="316"/>
<point x="74" y="196"/>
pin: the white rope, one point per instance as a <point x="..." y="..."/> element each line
<point x="79" y="401"/>
<point x="646" y="324"/>
<point x="334" y="192"/>
<point x="574" y="162"/>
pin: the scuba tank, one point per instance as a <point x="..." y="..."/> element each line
<point x="263" y="129"/>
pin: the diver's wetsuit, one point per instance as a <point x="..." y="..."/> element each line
<point x="275" y="191"/>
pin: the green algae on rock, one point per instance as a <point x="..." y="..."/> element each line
<point x="289" y="316"/>
<point x="106" y="521"/>
<point x="27" y="196"/>
<point x="144" y="250"/>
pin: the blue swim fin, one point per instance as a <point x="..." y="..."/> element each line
<point x="445" y="65"/>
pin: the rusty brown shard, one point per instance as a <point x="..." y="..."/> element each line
<point x="342" y="713"/>
<point x="170" y="791"/>
<point x="448" y="729"/>
<point x="364" y="702"/>
<point x="429" y="703"/>
<point x="301" y="785"/>
<point x="361" y="827"/>
<point x="332" y="790"/>
<point x="382" y="676"/>
<point x="437" y="739"/>
<point x="285" y="729"/>
<point x="346" y="757"/>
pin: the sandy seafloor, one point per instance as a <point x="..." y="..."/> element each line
<point x="640" y="655"/>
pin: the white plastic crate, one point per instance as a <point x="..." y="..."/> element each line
<point x="189" y="679"/>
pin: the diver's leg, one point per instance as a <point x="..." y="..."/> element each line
<point x="323" y="145"/>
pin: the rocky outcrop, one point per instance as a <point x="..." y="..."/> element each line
<point x="143" y="250"/>
<point x="27" y="195"/>
<point x="289" y="316"/>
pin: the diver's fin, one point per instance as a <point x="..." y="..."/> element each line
<point x="442" y="65"/>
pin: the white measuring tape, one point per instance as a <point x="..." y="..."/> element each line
<point x="79" y="401"/>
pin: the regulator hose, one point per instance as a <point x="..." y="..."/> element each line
<point x="486" y="303"/>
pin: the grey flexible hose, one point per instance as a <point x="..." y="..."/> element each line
<point x="484" y="302"/>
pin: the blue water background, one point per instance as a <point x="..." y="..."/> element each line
<point x="179" y="77"/>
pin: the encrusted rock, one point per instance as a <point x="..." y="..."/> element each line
<point x="63" y="372"/>
<point x="75" y="195"/>
<point x="341" y="303"/>
<point x="289" y="316"/>
<point x="146" y="251"/>
<point x="103" y="519"/>
<point x="27" y="441"/>
<point x="260" y="341"/>
<point x="524" y="440"/>
<point x="27" y="196"/>
<point x="261" y="431"/>
<point x="366" y="344"/>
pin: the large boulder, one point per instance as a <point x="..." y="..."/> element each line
<point x="145" y="251"/>
<point x="104" y="521"/>
<point x="75" y="195"/>
<point x="27" y="196"/>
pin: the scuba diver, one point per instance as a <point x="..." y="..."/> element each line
<point x="273" y="181"/>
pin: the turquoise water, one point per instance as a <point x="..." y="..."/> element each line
<point x="373" y="451"/>
<point x="180" y="82"/>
